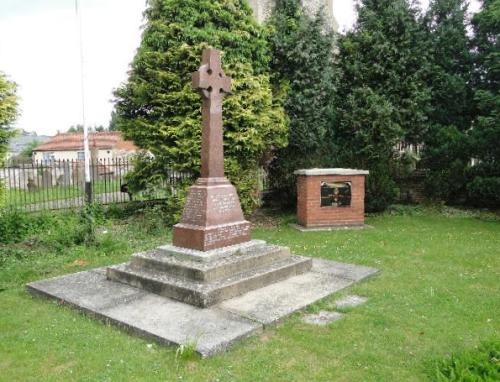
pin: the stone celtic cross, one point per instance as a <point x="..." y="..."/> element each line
<point x="212" y="216"/>
<point x="213" y="84"/>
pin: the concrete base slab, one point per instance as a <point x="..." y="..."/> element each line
<point x="350" y="301"/>
<point x="322" y="318"/>
<point x="213" y="329"/>
<point x="302" y="228"/>
<point x="146" y="314"/>
<point x="271" y="304"/>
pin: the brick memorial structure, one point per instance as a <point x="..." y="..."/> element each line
<point x="214" y="285"/>
<point x="330" y="198"/>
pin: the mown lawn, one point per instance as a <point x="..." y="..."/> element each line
<point x="17" y="197"/>
<point x="438" y="293"/>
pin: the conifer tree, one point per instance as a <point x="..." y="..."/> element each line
<point x="484" y="184"/>
<point x="160" y="112"/>
<point x="450" y="115"/>
<point x="383" y="98"/>
<point x="8" y="113"/>
<point x="302" y="63"/>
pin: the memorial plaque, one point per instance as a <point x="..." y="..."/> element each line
<point x="335" y="194"/>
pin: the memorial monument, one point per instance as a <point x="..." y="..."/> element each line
<point x="329" y="198"/>
<point x="212" y="257"/>
<point x="168" y="294"/>
<point x="212" y="216"/>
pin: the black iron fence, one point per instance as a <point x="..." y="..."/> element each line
<point x="59" y="184"/>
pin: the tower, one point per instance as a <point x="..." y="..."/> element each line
<point x="263" y="8"/>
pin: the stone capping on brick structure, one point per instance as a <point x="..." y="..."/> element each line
<point x="331" y="171"/>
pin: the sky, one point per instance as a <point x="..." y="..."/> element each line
<point x="40" y="51"/>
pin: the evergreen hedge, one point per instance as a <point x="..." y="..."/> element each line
<point x="162" y="114"/>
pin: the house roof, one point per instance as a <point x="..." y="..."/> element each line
<point x="107" y="140"/>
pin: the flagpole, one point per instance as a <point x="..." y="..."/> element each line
<point x="86" y="148"/>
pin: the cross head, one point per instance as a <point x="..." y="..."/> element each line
<point x="210" y="79"/>
<point x="213" y="84"/>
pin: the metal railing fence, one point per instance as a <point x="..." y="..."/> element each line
<point x="58" y="184"/>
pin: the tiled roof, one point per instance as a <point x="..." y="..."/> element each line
<point x="107" y="140"/>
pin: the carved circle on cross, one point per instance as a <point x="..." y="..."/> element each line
<point x="210" y="80"/>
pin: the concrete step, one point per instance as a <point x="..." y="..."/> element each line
<point x="210" y="271"/>
<point x="205" y="294"/>
<point x="213" y="254"/>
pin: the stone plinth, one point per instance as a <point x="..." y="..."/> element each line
<point x="207" y="278"/>
<point x="212" y="217"/>
<point x="332" y="197"/>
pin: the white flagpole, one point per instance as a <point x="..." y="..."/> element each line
<point x="86" y="148"/>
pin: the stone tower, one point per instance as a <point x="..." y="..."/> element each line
<point x="263" y="8"/>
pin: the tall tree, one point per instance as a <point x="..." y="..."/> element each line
<point x="112" y="126"/>
<point x="159" y="111"/>
<point x="302" y="62"/>
<point x="8" y="113"/>
<point x="78" y="128"/>
<point x="383" y="98"/>
<point x="484" y="185"/>
<point x="450" y="115"/>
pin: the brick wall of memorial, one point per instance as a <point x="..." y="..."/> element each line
<point x="310" y="213"/>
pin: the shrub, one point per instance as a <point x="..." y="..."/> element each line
<point x="484" y="191"/>
<point x="482" y="364"/>
<point x="88" y="218"/>
<point x="53" y="229"/>
<point x="380" y="190"/>
<point x="8" y="113"/>
<point x="2" y="193"/>
<point x="15" y="225"/>
<point x="158" y="109"/>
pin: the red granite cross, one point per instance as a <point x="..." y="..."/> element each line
<point x="212" y="83"/>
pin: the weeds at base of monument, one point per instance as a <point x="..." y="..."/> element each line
<point x="186" y="351"/>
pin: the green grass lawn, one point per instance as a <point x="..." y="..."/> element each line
<point x="438" y="293"/>
<point x="19" y="197"/>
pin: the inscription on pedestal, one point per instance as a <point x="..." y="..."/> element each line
<point x="193" y="210"/>
<point x="223" y="203"/>
<point x="225" y="234"/>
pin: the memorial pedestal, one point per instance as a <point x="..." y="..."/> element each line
<point x="212" y="217"/>
<point x="212" y="257"/>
